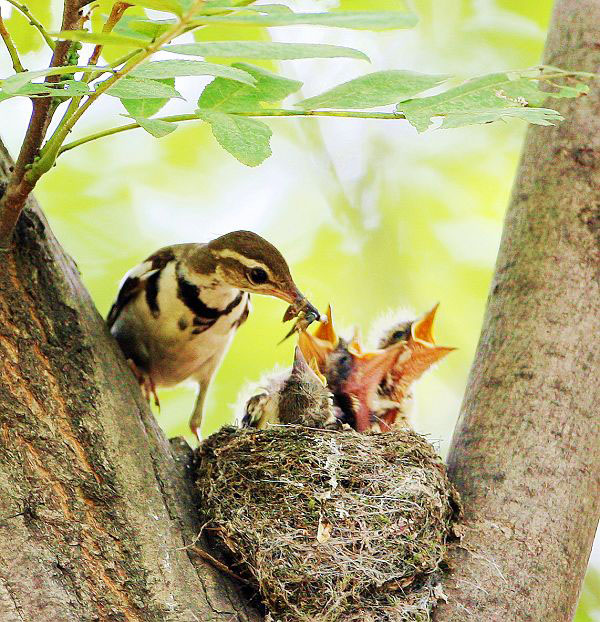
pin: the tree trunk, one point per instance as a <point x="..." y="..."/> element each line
<point x="95" y="510"/>
<point x="526" y="451"/>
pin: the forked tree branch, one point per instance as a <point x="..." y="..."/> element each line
<point x="19" y="188"/>
<point x="23" y="181"/>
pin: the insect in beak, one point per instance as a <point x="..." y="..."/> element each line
<point x="305" y="313"/>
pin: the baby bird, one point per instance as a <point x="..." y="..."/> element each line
<point x="177" y="312"/>
<point x="374" y="389"/>
<point x="352" y="375"/>
<point x="297" y="396"/>
<point x="395" y="395"/>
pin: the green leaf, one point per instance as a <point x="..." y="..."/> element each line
<point x="142" y="88"/>
<point x="66" y="88"/>
<point x="245" y="139"/>
<point x="100" y="38"/>
<point x="225" y="95"/>
<point x="156" y="127"/>
<point x="13" y="83"/>
<point x="358" y="20"/>
<point x="491" y="92"/>
<point x="537" y="116"/>
<point x="70" y="88"/>
<point x="147" y="107"/>
<point x="265" y="50"/>
<point x="170" y="6"/>
<point x="26" y="38"/>
<point x="136" y="26"/>
<point x="373" y="89"/>
<point x="180" y="67"/>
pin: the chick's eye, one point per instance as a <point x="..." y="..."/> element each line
<point x="257" y="276"/>
<point x="401" y="334"/>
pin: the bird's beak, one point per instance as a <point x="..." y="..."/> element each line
<point x="368" y="371"/>
<point x="370" y="368"/>
<point x="422" y="329"/>
<point x="299" y="303"/>
<point x="315" y="349"/>
<point x="355" y="345"/>
<point x="424" y="352"/>
<point x="301" y="308"/>
<point x="325" y="331"/>
<point x="420" y="360"/>
<point x="301" y="366"/>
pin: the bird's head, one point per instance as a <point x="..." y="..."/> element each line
<point x="305" y="396"/>
<point x="248" y="262"/>
<point x="360" y="381"/>
<point x="418" y="336"/>
<point x="255" y="410"/>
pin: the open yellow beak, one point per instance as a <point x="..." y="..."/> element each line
<point x="422" y="329"/>
<point x="315" y="349"/>
<point x="419" y="362"/>
<point x="325" y="331"/>
<point x="367" y="373"/>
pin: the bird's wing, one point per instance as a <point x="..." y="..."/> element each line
<point x="134" y="282"/>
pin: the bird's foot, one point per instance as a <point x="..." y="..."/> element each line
<point x="146" y="383"/>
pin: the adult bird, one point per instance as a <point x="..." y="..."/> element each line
<point x="177" y="312"/>
<point x="297" y="396"/>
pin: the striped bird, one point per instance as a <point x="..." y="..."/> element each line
<point x="177" y="312"/>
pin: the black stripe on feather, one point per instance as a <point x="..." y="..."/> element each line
<point x="129" y="290"/>
<point x="152" y="293"/>
<point x="189" y="294"/>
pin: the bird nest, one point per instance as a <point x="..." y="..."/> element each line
<point x="330" y="526"/>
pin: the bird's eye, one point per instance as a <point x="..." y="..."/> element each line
<point x="400" y="334"/>
<point x="258" y="276"/>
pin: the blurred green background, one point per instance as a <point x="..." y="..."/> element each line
<point x="371" y="216"/>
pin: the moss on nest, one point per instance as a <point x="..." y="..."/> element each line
<point x="330" y="526"/>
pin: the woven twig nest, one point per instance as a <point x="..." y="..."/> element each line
<point x="329" y="526"/>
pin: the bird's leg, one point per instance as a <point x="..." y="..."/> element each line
<point x="196" y="420"/>
<point x="145" y="381"/>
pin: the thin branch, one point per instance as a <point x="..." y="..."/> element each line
<point x="216" y="563"/>
<point x="19" y="185"/>
<point x="51" y="149"/>
<point x="115" y="15"/>
<point x="10" y="46"/>
<point x="177" y="118"/>
<point x="34" y="22"/>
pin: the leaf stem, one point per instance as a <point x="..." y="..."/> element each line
<point x="115" y="15"/>
<point x="278" y="112"/>
<point x="34" y="22"/>
<point x="10" y="46"/>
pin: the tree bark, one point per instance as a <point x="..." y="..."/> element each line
<point x="96" y="511"/>
<point x="526" y="452"/>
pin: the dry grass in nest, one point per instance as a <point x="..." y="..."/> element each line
<point x="330" y="526"/>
